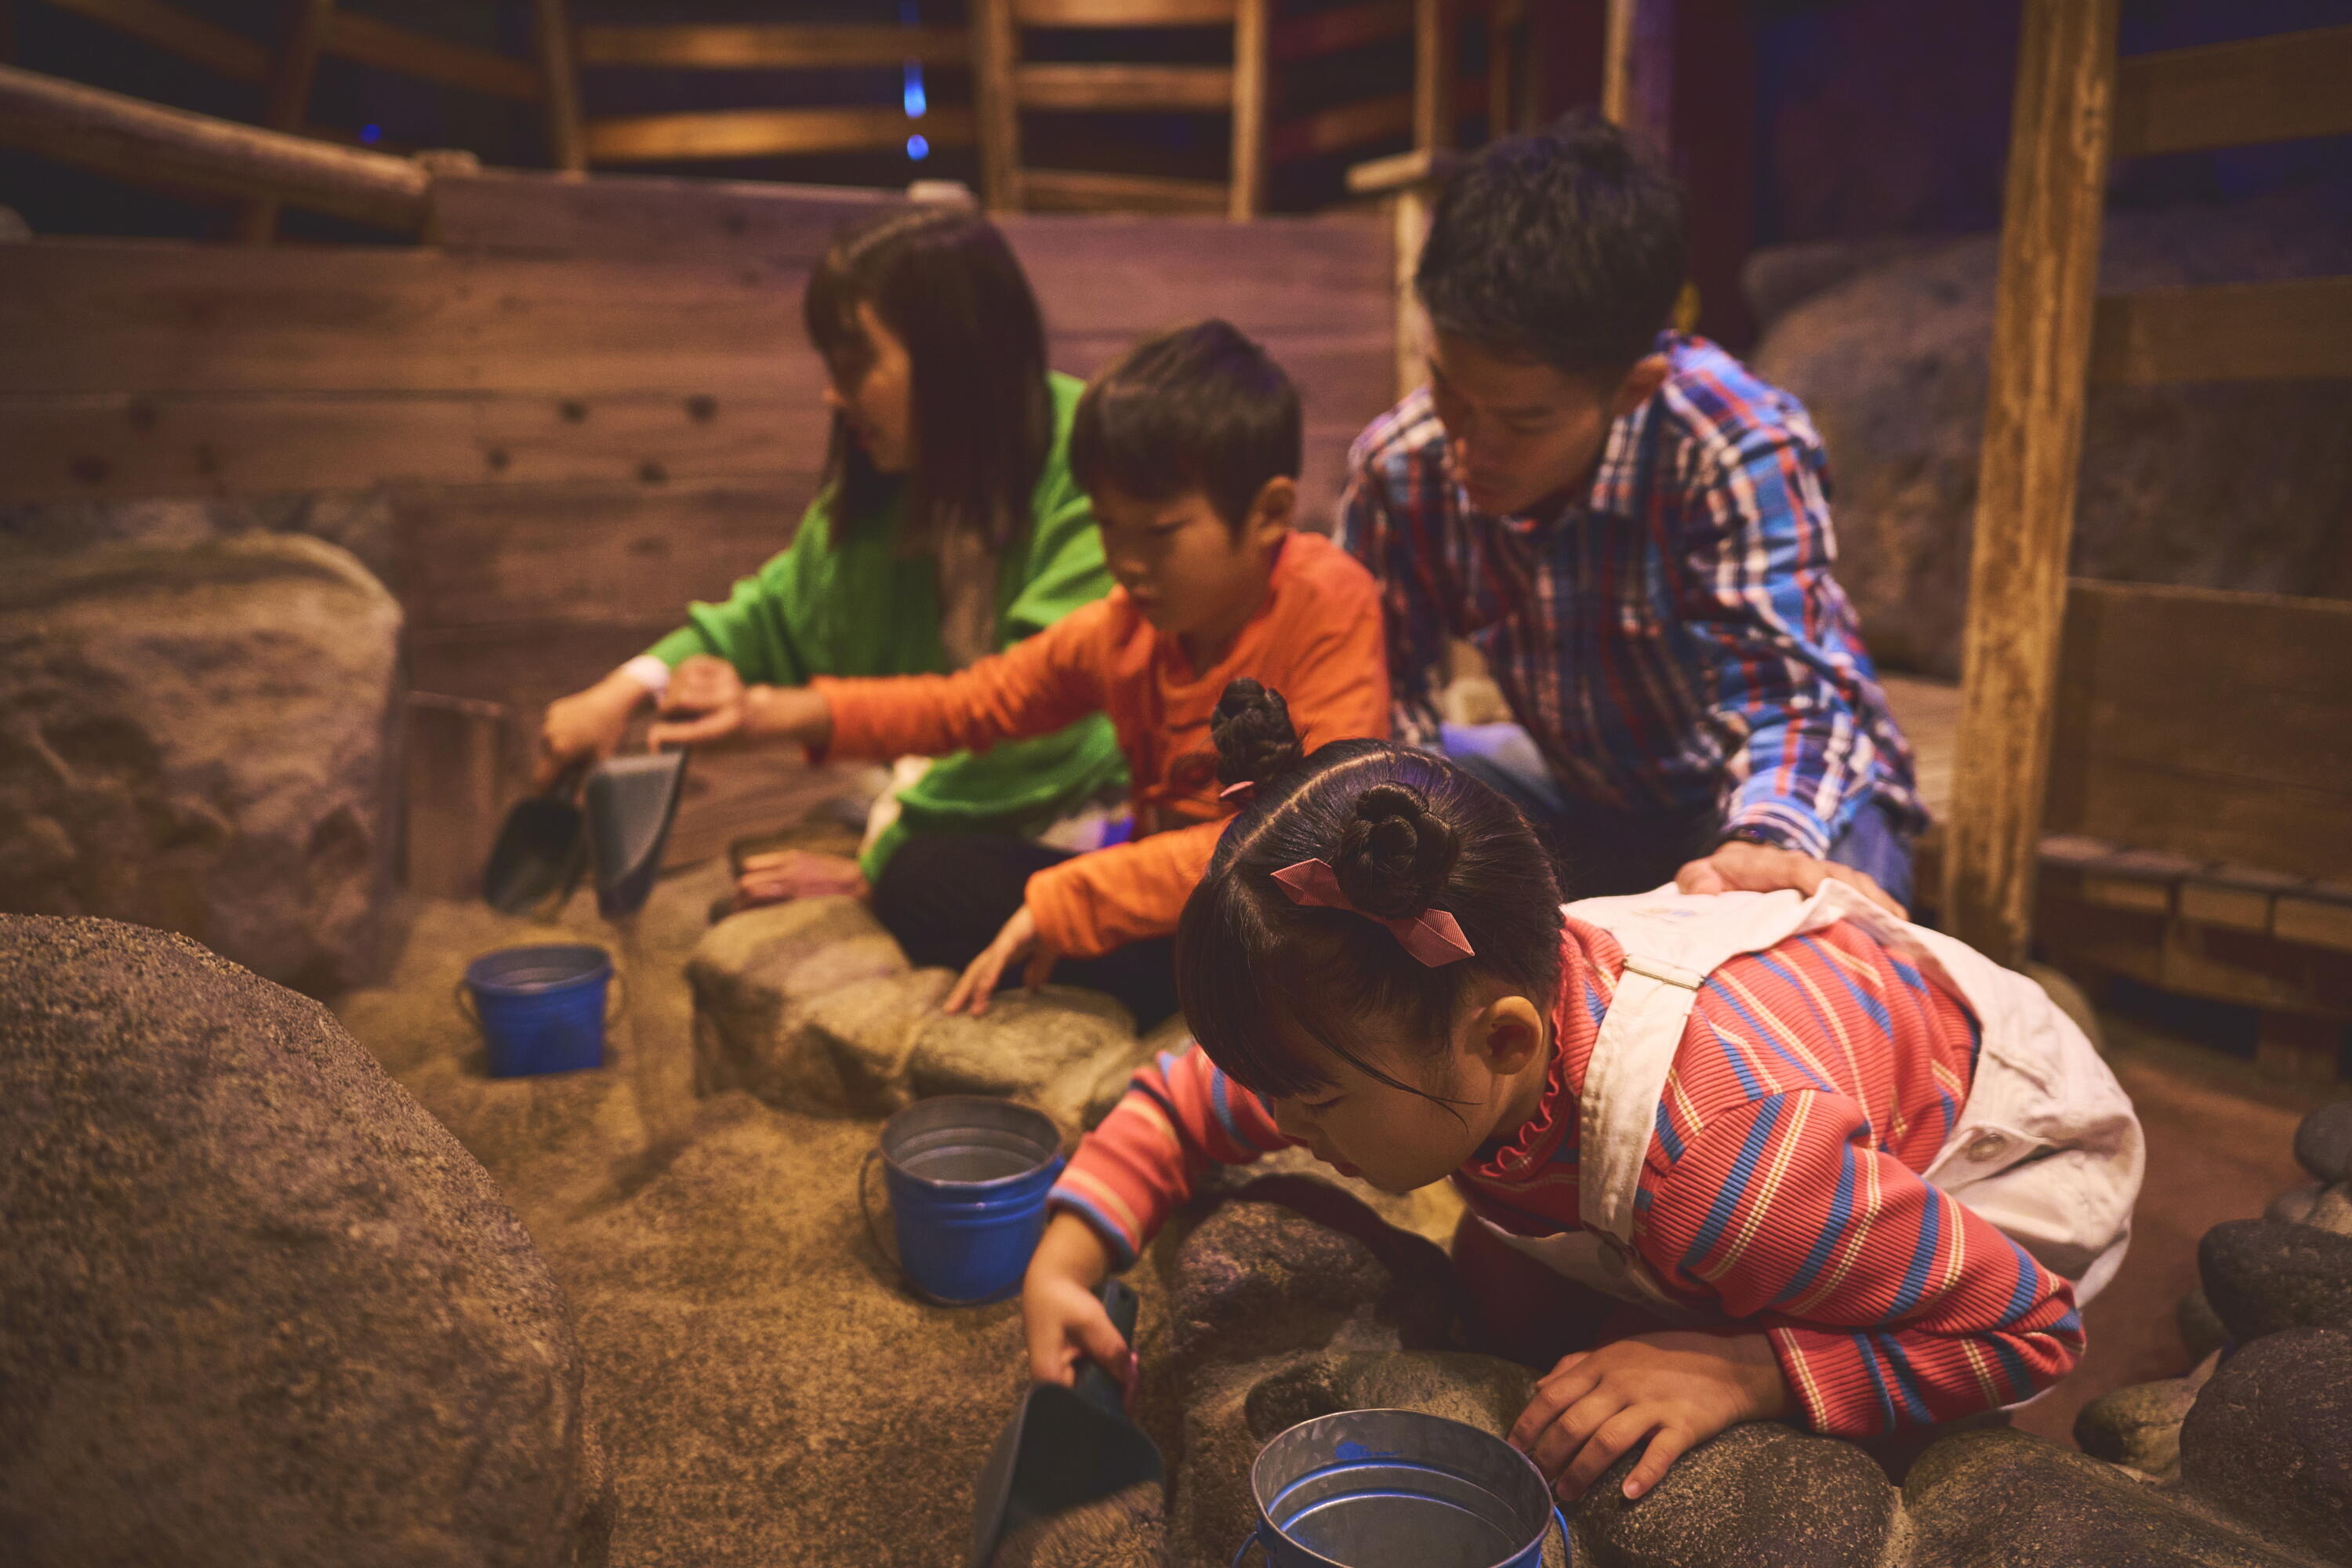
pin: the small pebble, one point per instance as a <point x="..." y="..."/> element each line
<point x="2323" y="1145"/>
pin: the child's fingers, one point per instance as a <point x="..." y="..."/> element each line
<point x="1566" y="1438"/>
<point x="1040" y="967"/>
<point x="977" y="984"/>
<point x="1602" y="1448"/>
<point x="1869" y="887"/>
<point x="1099" y="1339"/>
<point x="1565" y="1386"/>
<point x="1670" y="1443"/>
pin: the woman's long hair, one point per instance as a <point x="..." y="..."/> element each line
<point x="944" y="281"/>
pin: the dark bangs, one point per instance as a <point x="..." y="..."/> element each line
<point x="1257" y="973"/>
<point x="943" y="280"/>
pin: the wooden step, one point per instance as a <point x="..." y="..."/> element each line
<point x="1207" y="88"/>
<point x="770" y="47"/>
<point x="763" y="132"/>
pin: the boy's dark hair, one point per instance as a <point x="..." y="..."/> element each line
<point x="943" y="280"/>
<point x="1405" y="831"/>
<point x="1193" y="408"/>
<point x="1564" y="245"/>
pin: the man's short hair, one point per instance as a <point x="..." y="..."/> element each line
<point x="1565" y="246"/>
<point x="1195" y="408"/>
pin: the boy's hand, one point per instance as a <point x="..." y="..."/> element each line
<point x="1016" y="941"/>
<point x="588" y="723"/>
<point x="1740" y="867"/>
<point x="1676" y="1389"/>
<point x="782" y="873"/>
<point x="1063" y="1317"/>
<point x="708" y="708"/>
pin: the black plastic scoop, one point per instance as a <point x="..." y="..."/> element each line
<point x="632" y="801"/>
<point x="1065" y="1448"/>
<point x="541" y="849"/>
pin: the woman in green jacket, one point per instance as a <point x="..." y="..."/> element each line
<point x="947" y="527"/>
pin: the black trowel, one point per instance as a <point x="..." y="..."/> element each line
<point x="632" y="800"/>
<point x="1066" y="1447"/>
<point x="539" y="851"/>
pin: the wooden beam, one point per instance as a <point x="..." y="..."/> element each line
<point x="2032" y="452"/>
<point x="353" y="35"/>
<point x="1327" y="32"/>
<point x="1399" y="171"/>
<point x="1122" y="12"/>
<point x="1245" y="187"/>
<point x="996" y="54"/>
<point x="1351" y="125"/>
<point x="535" y="212"/>
<point x="2279" y="89"/>
<point x="289" y="103"/>
<point x="770" y="47"/>
<point x="178" y="32"/>
<point x="129" y="138"/>
<point x="2240" y="331"/>
<point x="1435" y="24"/>
<point x="759" y="132"/>
<point x="1080" y="190"/>
<point x="559" y="77"/>
<point x="1209" y="88"/>
<point x="1637" y="76"/>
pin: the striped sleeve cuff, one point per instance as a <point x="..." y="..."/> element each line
<point x="1096" y="1203"/>
<point x="1785" y="822"/>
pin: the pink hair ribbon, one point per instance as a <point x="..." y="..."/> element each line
<point x="1432" y="936"/>
<point x="1241" y="792"/>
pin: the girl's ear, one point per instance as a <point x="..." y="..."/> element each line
<point x="1507" y="1035"/>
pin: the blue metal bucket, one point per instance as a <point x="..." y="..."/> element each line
<point x="1395" y="1488"/>
<point x="541" y="1009"/>
<point x="968" y="1177"/>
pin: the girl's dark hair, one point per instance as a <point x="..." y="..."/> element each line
<point x="1198" y="408"/>
<point x="944" y="281"/>
<point x="1564" y="246"/>
<point x="1405" y="831"/>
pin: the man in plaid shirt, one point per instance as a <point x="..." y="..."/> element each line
<point x="1635" y="529"/>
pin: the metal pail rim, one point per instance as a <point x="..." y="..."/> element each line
<point x="1048" y="1145"/>
<point x="1266" y="1518"/>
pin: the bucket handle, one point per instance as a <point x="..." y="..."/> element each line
<point x="1257" y="1538"/>
<point x="617" y="999"/>
<point x="865" y="1207"/>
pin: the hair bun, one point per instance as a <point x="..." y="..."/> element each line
<point x="1395" y="854"/>
<point x="1251" y="729"/>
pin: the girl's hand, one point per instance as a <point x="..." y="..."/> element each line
<point x="588" y="723"/>
<point x="737" y="712"/>
<point x="1676" y="1389"/>
<point x="1016" y="941"/>
<point x="1063" y="1317"/>
<point x="782" y="873"/>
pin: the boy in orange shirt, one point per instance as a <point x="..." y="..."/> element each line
<point x="1190" y="448"/>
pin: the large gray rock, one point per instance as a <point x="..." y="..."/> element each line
<point x="1892" y="362"/>
<point x="1046" y="1049"/>
<point x="2323" y="1142"/>
<point x="2139" y="1425"/>
<point x="2000" y="1496"/>
<point x="258" y="1306"/>
<point x="2270" y="1439"/>
<point x="755" y="976"/>
<point x="1759" y="1493"/>
<point x="2264" y="1275"/>
<point x="199" y="739"/>
<point x="358" y="521"/>
<point x="868" y="1029"/>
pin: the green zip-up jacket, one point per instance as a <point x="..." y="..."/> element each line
<point x="857" y="607"/>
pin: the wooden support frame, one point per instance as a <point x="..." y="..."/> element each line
<point x="1247" y="192"/>
<point x="2032" y="450"/>
<point x="559" y="75"/>
<point x="289" y="100"/>
<point x="769" y="46"/>
<point x="2278" y="88"/>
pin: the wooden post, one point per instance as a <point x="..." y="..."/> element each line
<point x="1248" y="194"/>
<point x="1434" y="67"/>
<point x="1637" y="76"/>
<point x="995" y="55"/>
<point x="1505" y="44"/>
<point x="457" y="761"/>
<point x="290" y="102"/>
<point x="1410" y="210"/>
<point x="2025" y="490"/>
<point x="567" y="140"/>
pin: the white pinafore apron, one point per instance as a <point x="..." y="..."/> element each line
<point x="2046" y="1148"/>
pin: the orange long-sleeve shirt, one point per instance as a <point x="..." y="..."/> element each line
<point x="1317" y="639"/>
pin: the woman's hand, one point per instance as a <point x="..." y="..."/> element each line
<point x="1674" y="1389"/>
<point x="1016" y="941"/>
<point x="587" y="724"/>
<point x="1742" y="867"/>
<point x="1063" y="1317"/>
<point x="782" y="873"/>
<point x="704" y="707"/>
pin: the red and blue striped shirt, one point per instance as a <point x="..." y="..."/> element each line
<point x="1673" y="639"/>
<point x="1781" y="1189"/>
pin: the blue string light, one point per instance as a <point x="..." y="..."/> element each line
<point x="917" y="101"/>
<point x="371" y="134"/>
<point x="918" y="148"/>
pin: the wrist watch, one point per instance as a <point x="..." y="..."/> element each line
<point x="1751" y="834"/>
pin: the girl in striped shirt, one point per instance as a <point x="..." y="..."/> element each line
<point x="1856" y="1175"/>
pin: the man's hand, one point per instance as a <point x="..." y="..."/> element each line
<point x="587" y="724"/>
<point x="1016" y="941"/>
<point x="1741" y="866"/>
<point x="1674" y="1389"/>
<point x="785" y="874"/>
<point x="1063" y="1317"/>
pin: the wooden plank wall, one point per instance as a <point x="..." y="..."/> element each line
<point x="591" y="400"/>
